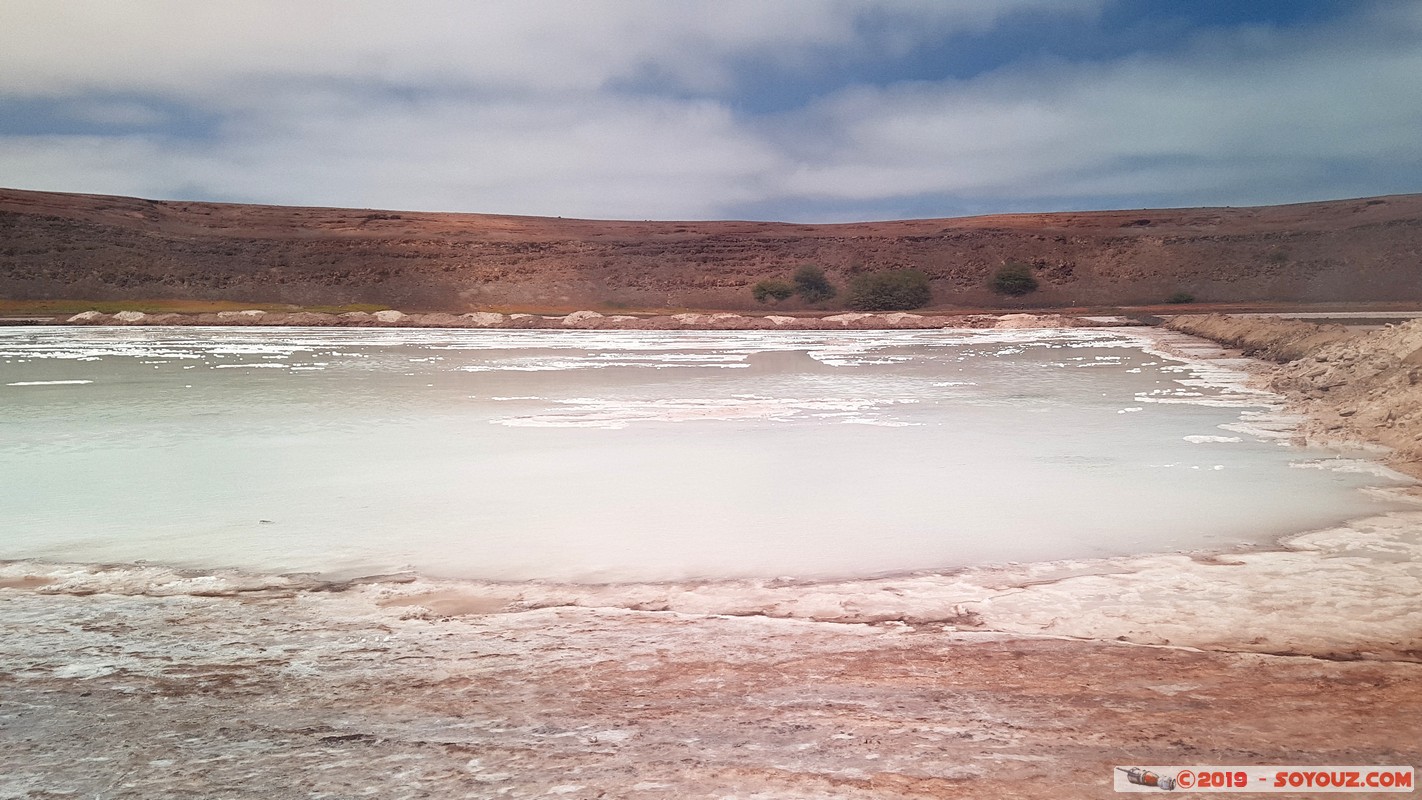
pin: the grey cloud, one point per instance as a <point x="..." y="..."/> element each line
<point x="583" y="156"/>
<point x="56" y="46"/>
<point x="1238" y="110"/>
<point x="505" y="107"/>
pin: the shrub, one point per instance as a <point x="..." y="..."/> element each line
<point x="889" y="291"/>
<point x="812" y="285"/>
<point x="1180" y="298"/>
<point x="1014" y="278"/>
<point x="771" y="291"/>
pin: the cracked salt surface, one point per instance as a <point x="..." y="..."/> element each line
<point x="1027" y="680"/>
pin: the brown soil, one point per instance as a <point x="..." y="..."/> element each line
<point x="62" y="246"/>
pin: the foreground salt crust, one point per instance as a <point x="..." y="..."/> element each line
<point x="1020" y="681"/>
<point x="322" y="695"/>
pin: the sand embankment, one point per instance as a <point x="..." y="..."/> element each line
<point x="593" y="320"/>
<point x="1351" y="385"/>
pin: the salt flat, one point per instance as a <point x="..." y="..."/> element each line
<point x="1030" y="679"/>
<point x="592" y="456"/>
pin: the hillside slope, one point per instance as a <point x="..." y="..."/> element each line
<point x="66" y="246"/>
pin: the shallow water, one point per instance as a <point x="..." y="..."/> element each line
<point x="608" y="456"/>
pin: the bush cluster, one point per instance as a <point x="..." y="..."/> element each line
<point x="772" y="291"/>
<point x="890" y="291"/>
<point x="1015" y="279"/>
<point x="809" y="283"/>
<point x="812" y="286"/>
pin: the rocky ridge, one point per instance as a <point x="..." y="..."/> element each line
<point x="91" y="247"/>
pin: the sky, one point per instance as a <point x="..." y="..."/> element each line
<point x="795" y="110"/>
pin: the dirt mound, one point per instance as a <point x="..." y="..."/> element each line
<point x="1352" y="385"/>
<point x="1369" y="386"/>
<point x="64" y="246"/>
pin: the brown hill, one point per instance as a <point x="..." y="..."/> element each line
<point x="68" y="246"/>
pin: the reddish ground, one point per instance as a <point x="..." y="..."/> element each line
<point x="85" y="247"/>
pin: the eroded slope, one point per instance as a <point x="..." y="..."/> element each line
<point x="95" y="247"/>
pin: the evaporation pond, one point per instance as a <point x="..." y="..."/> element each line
<point x="633" y="455"/>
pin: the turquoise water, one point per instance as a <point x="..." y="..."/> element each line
<point x="607" y="456"/>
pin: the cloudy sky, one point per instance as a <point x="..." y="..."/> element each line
<point x="814" y="110"/>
